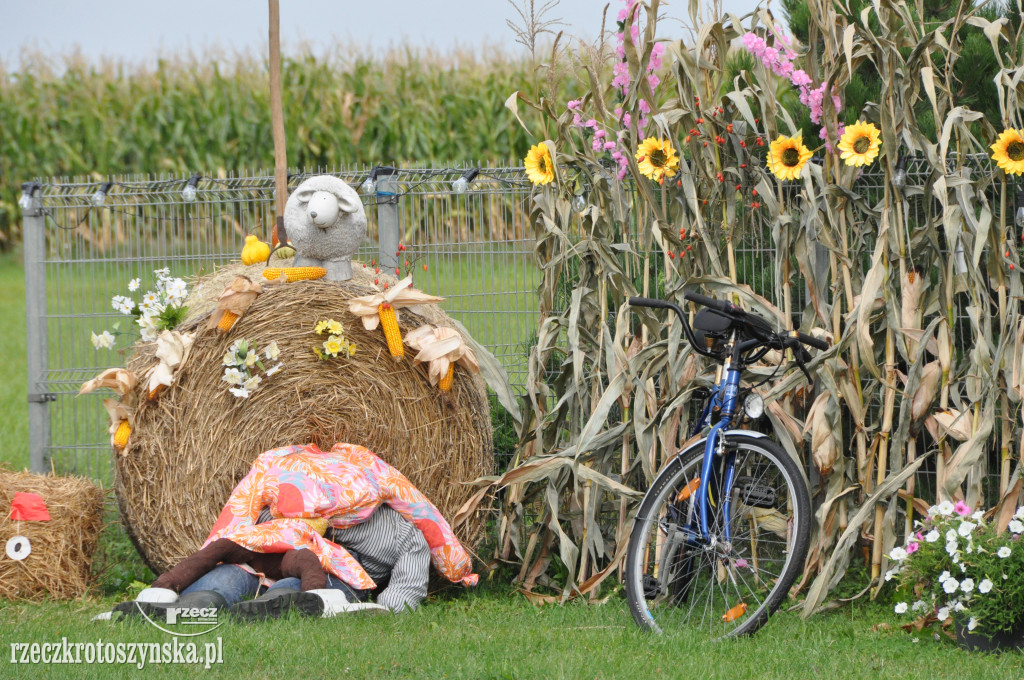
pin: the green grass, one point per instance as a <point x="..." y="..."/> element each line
<point x="495" y="633"/>
<point x="14" y="385"/>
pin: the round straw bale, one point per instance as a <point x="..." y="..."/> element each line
<point x="192" y="444"/>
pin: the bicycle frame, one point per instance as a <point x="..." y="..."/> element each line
<point x="723" y="399"/>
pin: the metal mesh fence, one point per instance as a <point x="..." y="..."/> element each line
<point x="474" y="248"/>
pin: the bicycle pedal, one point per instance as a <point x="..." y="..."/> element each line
<point x="651" y="587"/>
<point x="756" y="495"/>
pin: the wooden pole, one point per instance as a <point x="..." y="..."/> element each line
<point x="277" y="121"/>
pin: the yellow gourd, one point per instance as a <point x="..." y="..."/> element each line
<point x="254" y="251"/>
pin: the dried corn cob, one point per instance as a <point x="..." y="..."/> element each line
<point x="389" y="324"/>
<point x="227" y="321"/>
<point x="121" y="435"/>
<point x="449" y="377"/>
<point x="294" y="273"/>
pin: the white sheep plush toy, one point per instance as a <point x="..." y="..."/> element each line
<point x="325" y="222"/>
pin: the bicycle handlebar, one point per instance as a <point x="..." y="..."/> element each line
<point x="712" y="303"/>
<point x="811" y="341"/>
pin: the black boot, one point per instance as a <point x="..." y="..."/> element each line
<point x="199" y="599"/>
<point x="276" y="603"/>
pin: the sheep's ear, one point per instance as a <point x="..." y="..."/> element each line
<point x="303" y="195"/>
<point x="349" y="203"/>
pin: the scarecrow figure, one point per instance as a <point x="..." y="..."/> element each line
<point x="275" y="526"/>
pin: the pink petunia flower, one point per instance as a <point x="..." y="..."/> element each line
<point x="962" y="509"/>
<point x="912" y="548"/>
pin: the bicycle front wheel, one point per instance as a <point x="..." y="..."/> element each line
<point x="728" y="585"/>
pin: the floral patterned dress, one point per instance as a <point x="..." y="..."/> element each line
<point x="344" y="486"/>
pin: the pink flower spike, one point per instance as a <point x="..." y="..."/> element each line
<point x="912" y="548"/>
<point x="608" y="146"/>
<point x="962" y="509"/>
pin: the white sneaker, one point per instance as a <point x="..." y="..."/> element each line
<point x="157" y="596"/>
<point x="335" y="603"/>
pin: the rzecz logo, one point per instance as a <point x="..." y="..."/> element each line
<point x="204" y="617"/>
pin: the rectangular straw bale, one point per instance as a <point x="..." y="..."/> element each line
<point x="59" y="565"/>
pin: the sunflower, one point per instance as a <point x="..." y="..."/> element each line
<point x="787" y="157"/>
<point x="1008" y="151"/>
<point x="539" y="167"/>
<point x="657" y="159"/>
<point x="860" y="143"/>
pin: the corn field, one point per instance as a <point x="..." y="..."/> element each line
<point x="915" y="281"/>
<point x="212" y="116"/>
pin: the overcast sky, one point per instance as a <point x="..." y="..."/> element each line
<point x="141" y="30"/>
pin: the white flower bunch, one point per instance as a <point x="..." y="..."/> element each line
<point x="955" y="564"/>
<point x="240" y="363"/>
<point x="160" y="309"/>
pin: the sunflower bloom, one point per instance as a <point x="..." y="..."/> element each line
<point x="859" y="144"/>
<point x="1008" y="151"/>
<point x="787" y="157"/>
<point x="539" y="167"/>
<point x="657" y="158"/>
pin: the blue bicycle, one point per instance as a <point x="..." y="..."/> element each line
<point x="723" y="531"/>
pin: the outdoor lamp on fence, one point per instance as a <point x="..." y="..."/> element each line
<point x="188" y="194"/>
<point x="28" y="190"/>
<point x="100" y="196"/>
<point x="579" y="203"/>
<point x="899" y="177"/>
<point x="369" y="186"/>
<point x="460" y="185"/>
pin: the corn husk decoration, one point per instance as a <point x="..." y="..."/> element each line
<point x="232" y="303"/>
<point x="120" y="423"/>
<point x="172" y="350"/>
<point x="441" y="348"/>
<point x="381" y="309"/>
<point x="123" y="383"/>
<point x="118" y="379"/>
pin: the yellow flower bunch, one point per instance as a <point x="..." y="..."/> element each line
<point x="336" y="345"/>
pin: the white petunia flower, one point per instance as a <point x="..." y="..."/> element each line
<point x="898" y="554"/>
<point x="1020" y="513"/>
<point x="932" y="536"/>
<point x="1004" y="552"/>
<point x="966" y="528"/>
<point x="967" y="585"/>
<point x="233" y="376"/>
<point x="951" y="547"/>
<point x="901" y="608"/>
<point x="959" y="606"/>
<point x="133" y="285"/>
<point x="985" y="586"/>
<point x="104" y="340"/>
<point x="943" y="576"/>
<point x="951" y="535"/>
<point x="945" y="508"/>
<point x="977" y="515"/>
<point x="890" y="574"/>
<point x="943" y="614"/>
<point x="919" y="606"/>
<point x="950" y="585"/>
<point x="239" y="392"/>
<point x="972" y="624"/>
<point x="272" y="351"/>
<point x="1016" y="526"/>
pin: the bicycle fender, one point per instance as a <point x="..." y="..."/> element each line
<point x="700" y="443"/>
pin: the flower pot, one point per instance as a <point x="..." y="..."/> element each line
<point x="978" y="641"/>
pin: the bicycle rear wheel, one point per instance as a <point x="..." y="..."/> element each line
<point x="724" y="588"/>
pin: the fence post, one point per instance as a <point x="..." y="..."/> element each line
<point x="33" y="232"/>
<point x="387" y="219"/>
